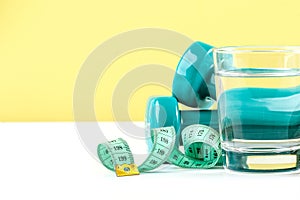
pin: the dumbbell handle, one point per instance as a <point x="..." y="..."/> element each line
<point x="205" y="117"/>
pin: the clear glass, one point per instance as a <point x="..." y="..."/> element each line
<point x="258" y="95"/>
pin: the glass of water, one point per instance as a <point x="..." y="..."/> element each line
<point x="258" y="95"/>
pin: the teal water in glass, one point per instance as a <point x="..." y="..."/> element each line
<point x="260" y="125"/>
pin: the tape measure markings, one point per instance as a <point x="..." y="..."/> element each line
<point x="116" y="154"/>
<point x="163" y="140"/>
<point x="201" y="145"/>
<point x="202" y="137"/>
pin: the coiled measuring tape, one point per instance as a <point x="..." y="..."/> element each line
<point x="193" y="86"/>
<point x="201" y="144"/>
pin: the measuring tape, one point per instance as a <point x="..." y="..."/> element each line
<point x="201" y="144"/>
<point x="116" y="154"/>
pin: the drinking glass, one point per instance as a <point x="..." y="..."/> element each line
<point x="258" y="96"/>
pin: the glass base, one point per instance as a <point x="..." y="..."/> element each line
<point x="262" y="162"/>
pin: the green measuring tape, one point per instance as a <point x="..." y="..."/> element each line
<point x="201" y="145"/>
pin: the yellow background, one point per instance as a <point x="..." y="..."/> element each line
<point x="43" y="44"/>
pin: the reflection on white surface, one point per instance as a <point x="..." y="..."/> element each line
<point x="47" y="161"/>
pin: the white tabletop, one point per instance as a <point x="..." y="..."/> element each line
<point x="48" y="161"/>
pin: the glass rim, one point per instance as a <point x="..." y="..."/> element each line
<point x="256" y="49"/>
